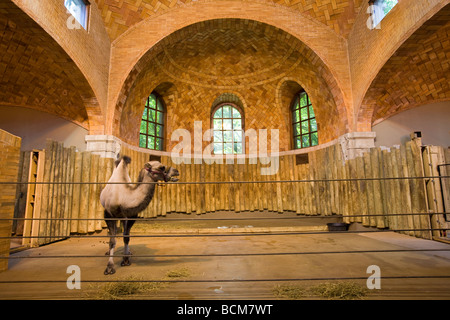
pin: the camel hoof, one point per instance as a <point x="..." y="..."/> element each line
<point x="109" y="270"/>
<point x="126" y="262"/>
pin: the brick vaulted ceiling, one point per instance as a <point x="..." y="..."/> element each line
<point x="250" y="59"/>
<point x="119" y="15"/>
<point x="35" y="72"/>
<point x="417" y="73"/>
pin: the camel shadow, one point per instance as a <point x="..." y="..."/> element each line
<point x="143" y="255"/>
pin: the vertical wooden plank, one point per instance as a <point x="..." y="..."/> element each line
<point x="279" y="198"/>
<point x="39" y="199"/>
<point x="341" y="184"/>
<point x="347" y="193"/>
<point x="262" y="188"/>
<point x="326" y="168"/>
<point x="69" y="188"/>
<point x="93" y="178"/>
<point x="370" y="190"/>
<point x="413" y="184"/>
<point x="63" y="194"/>
<point x="76" y="191"/>
<point x="218" y="188"/>
<point x="334" y="185"/>
<point x="164" y="190"/>
<point x="208" y="193"/>
<point x="28" y="167"/>
<point x="362" y="190"/>
<point x="102" y="177"/>
<point x="386" y="186"/>
<point x="291" y="187"/>
<point x="406" y="221"/>
<point x="390" y="184"/>
<point x="328" y="185"/>
<point x="377" y="188"/>
<point x="242" y="187"/>
<point x="189" y="187"/>
<point x="214" y="195"/>
<point x="248" y="197"/>
<point x="296" y="186"/>
<point x="202" y="170"/>
<point x="85" y="196"/>
<point x="200" y="193"/>
<point x="383" y="221"/>
<point x="424" y="221"/>
<point x="398" y="205"/>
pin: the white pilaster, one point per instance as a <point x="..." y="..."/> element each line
<point x="355" y="144"/>
<point x="106" y="146"/>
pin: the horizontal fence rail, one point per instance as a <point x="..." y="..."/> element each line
<point x="226" y="280"/>
<point x="230" y="182"/>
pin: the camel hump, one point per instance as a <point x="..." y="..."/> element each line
<point x="126" y="159"/>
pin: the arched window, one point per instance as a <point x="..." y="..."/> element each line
<point x="228" y="127"/>
<point x="304" y="125"/>
<point x="151" y="133"/>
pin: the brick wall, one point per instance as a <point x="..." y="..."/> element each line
<point x="253" y="61"/>
<point x="9" y="158"/>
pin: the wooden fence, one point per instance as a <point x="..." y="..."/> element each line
<point x="377" y="189"/>
<point x="9" y="158"/>
<point x="356" y="189"/>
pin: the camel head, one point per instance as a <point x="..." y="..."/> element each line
<point x="171" y="173"/>
<point x="155" y="170"/>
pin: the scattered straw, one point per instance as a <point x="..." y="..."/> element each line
<point x="133" y="286"/>
<point x="330" y="290"/>
<point x="289" y="291"/>
<point x="128" y="286"/>
<point x="178" y="273"/>
<point x="345" y="290"/>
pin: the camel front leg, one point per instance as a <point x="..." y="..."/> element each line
<point x="112" y="230"/>
<point x="127" y="224"/>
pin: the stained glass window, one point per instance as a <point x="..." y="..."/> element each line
<point x="304" y="122"/>
<point x="151" y="132"/>
<point x="228" y="130"/>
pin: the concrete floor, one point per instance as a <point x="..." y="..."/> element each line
<point x="217" y="268"/>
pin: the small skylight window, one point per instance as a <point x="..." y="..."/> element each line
<point x="379" y="9"/>
<point x="79" y="9"/>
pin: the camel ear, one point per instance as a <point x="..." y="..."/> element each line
<point x="147" y="166"/>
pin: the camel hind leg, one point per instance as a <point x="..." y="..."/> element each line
<point x="112" y="230"/>
<point x="127" y="224"/>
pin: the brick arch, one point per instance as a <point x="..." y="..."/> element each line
<point x="229" y="97"/>
<point x="418" y="73"/>
<point x="71" y="57"/>
<point x="331" y="123"/>
<point x="129" y="48"/>
<point x="41" y="75"/>
<point x="128" y="129"/>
